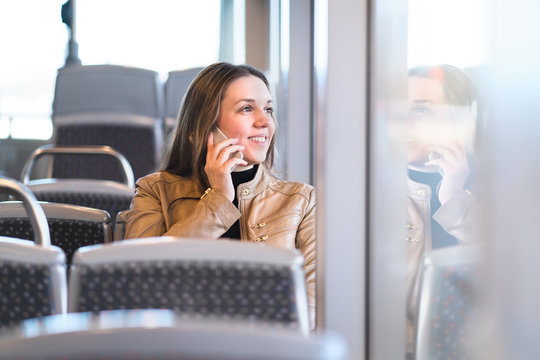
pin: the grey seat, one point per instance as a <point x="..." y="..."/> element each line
<point x="194" y="277"/>
<point x="70" y="226"/>
<point x="159" y="334"/>
<point x="447" y="306"/>
<point x="120" y="226"/>
<point x="112" y="105"/>
<point x="176" y="86"/>
<point x="32" y="275"/>
<point x="110" y="196"/>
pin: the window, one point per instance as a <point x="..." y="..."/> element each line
<point x="161" y="35"/>
<point x="33" y="47"/>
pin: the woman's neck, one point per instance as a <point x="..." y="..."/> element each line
<point x="242" y="168"/>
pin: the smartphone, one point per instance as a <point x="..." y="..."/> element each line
<point x="220" y="136"/>
<point x="419" y="166"/>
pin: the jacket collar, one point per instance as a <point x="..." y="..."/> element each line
<point x="418" y="190"/>
<point x="262" y="179"/>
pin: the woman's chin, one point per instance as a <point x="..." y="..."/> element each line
<point x="253" y="159"/>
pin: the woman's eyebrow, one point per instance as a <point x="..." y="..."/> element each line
<point x="422" y="101"/>
<point x="250" y="100"/>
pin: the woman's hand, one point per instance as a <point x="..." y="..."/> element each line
<point x="219" y="164"/>
<point x="454" y="167"/>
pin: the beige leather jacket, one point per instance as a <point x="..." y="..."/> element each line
<point x="270" y="210"/>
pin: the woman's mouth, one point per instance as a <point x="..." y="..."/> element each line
<point x="258" y="139"/>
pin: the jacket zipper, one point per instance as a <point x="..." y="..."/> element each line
<point x="270" y="221"/>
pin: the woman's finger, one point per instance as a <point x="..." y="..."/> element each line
<point x="214" y="150"/>
<point x="234" y="162"/>
<point x="228" y="152"/>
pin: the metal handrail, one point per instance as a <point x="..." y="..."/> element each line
<point x="38" y="219"/>
<point x="86" y="149"/>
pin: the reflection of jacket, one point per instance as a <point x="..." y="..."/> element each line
<point x="455" y="218"/>
<point x="270" y="210"/>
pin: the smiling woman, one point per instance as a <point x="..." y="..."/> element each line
<point x="197" y="194"/>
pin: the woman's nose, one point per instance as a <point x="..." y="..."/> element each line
<point x="263" y="119"/>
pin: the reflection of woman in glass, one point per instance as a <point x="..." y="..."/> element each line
<point x="442" y="126"/>
<point x="442" y="122"/>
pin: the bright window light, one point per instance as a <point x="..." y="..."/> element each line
<point x="160" y="35"/>
<point x="4" y="127"/>
<point x="447" y="32"/>
<point x="33" y="45"/>
<point x="31" y="128"/>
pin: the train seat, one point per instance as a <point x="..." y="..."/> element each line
<point x="160" y="335"/>
<point x="32" y="273"/>
<point x="194" y="277"/>
<point x="70" y="226"/>
<point x="110" y="196"/>
<point x="112" y="105"/>
<point x="120" y="226"/>
<point x="447" y="305"/>
<point x="176" y="86"/>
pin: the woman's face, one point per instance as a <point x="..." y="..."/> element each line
<point x="432" y="121"/>
<point x="246" y="113"/>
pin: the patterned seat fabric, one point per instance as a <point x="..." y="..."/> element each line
<point x="25" y="292"/>
<point x="110" y="203"/>
<point x="452" y="307"/>
<point x="69" y="235"/>
<point x="190" y="288"/>
<point x="86" y="166"/>
<point x="128" y="140"/>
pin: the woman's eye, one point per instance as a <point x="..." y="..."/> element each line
<point x="422" y="110"/>
<point x="269" y="110"/>
<point x="246" y="108"/>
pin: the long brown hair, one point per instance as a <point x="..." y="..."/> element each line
<point x="186" y="152"/>
<point x="457" y="86"/>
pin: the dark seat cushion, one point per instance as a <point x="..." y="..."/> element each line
<point x="191" y="288"/>
<point x="25" y="292"/>
<point x="69" y="235"/>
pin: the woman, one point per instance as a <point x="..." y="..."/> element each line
<point x="203" y="190"/>
<point x="441" y="137"/>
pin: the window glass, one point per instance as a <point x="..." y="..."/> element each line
<point x="33" y="44"/>
<point x="5" y="127"/>
<point x="27" y="127"/>
<point x="447" y="53"/>
<point x="161" y="35"/>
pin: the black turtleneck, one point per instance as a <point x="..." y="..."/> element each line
<point x="239" y="177"/>
<point x="439" y="237"/>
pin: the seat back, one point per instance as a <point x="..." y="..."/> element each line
<point x="70" y="226"/>
<point x="194" y="277"/>
<point x="121" y="166"/>
<point x="110" y="105"/>
<point x="447" y="303"/>
<point x="98" y="194"/>
<point x="33" y="275"/>
<point x="159" y="334"/>
<point x="120" y="226"/>
<point x="176" y="87"/>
